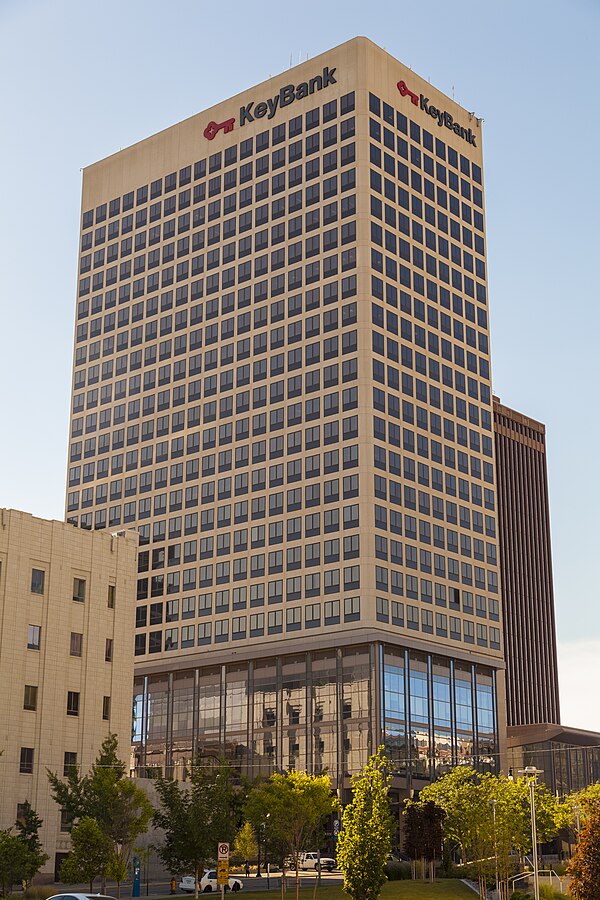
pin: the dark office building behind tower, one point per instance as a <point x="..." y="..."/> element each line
<point x="526" y="569"/>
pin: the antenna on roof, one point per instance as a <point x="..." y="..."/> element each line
<point x="453" y="92"/>
<point x="291" y="61"/>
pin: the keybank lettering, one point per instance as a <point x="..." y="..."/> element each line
<point x="286" y="96"/>
<point x="444" y="118"/>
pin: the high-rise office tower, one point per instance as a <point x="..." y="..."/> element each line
<point x="526" y="565"/>
<point x="282" y="377"/>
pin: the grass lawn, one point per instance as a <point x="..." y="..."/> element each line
<point x="444" y="889"/>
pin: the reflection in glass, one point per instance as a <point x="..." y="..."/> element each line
<point x="418" y="687"/>
<point x="394" y="717"/>
<point x="324" y="712"/>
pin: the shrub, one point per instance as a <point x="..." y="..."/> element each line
<point x="520" y="895"/>
<point x="397" y="871"/>
<point x="38" y="892"/>
<point x="549" y="892"/>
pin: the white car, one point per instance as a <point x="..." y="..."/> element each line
<point x="208" y="883"/>
<point x="72" y="896"/>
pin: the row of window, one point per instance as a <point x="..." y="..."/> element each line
<point x="452" y="196"/>
<point x="415" y="618"/>
<point x="443" y="538"/>
<point x="220" y="308"/>
<point x="440" y="481"/>
<point x="315" y="615"/>
<point x="295" y="307"/>
<point x="167" y="253"/>
<point x="449" y="512"/>
<point x="420" y="135"/>
<point x="310" y="616"/>
<point x="261" y="564"/>
<point x="27" y="754"/>
<point x="227" y="487"/>
<point x="262" y="342"/>
<point x="294" y="442"/>
<point x="297" y="414"/>
<point x="295" y="470"/>
<point x="296" y="499"/>
<point x="229" y="157"/>
<point x="38" y="586"/>
<point x="34" y="642"/>
<point x="223" y="255"/>
<point x="255" y="595"/>
<point x="331" y="294"/>
<point x="259" y="216"/>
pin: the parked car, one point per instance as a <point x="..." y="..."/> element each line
<point x="208" y="883"/>
<point x="71" y="896"/>
<point x="314" y="861"/>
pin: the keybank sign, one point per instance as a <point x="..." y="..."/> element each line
<point x="286" y="96"/>
<point x="441" y="116"/>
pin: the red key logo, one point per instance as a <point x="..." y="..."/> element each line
<point x="406" y="92"/>
<point x="213" y="128"/>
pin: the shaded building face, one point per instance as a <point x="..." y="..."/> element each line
<point x="282" y="378"/>
<point x="526" y="563"/>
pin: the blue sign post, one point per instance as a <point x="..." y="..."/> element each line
<point x="137" y="880"/>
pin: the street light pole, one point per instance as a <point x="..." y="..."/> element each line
<point x="531" y="772"/>
<point x="495" y="843"/>
<point x="260" y="828"/>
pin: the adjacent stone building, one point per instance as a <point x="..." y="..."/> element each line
<point x="66" y="667"/>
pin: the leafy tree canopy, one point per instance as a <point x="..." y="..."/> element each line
<point x="120" y="808"/>
<point x="288" y="811"/>
<point x="196" y="815"/>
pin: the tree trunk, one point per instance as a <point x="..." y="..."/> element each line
<point x="297" y="879"/>
<point x="196" y="881"/>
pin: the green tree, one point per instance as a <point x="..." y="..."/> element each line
<point x="196" y="816"/>
<point x="488" y="816"/>
<point x="28" y="827"/>
<point x="120" y="808"/>
<point x="365" y="840"/>
<point x="90" y="854"/>
<point x="575" y="807"/>
<point x="584" y="867"/>
<point x="291" y="809"/>
<point x="117" y="868"/>
<point x="15" y="860"/>
<point x="245" y="846"/>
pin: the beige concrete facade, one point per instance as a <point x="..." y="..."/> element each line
<point x="65" y="658"/>
<point x="282" y="372"/>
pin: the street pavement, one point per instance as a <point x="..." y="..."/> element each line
<point x="163" y="888"/>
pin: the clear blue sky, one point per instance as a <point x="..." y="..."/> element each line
<point x="80" y="80"/>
